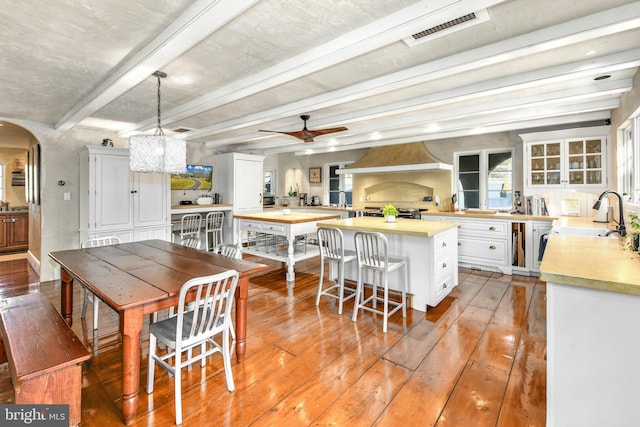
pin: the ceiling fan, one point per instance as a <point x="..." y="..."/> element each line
<point x="307" y="135"/>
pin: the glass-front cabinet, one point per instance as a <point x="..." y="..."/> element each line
<point x="576" y="162"/>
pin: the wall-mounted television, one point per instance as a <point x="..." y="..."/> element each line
<point x="197" y="177"/>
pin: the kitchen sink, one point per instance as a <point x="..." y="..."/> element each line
<point x="580" y="231"/>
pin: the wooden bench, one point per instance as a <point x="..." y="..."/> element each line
<point x="45" y="356"/>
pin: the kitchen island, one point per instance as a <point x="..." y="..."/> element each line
<point x="430" y="248"/>
<point x="266" y="228"/>
<point x="593" y="329"/>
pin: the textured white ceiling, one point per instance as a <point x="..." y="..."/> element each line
<point x="260" y="64"/>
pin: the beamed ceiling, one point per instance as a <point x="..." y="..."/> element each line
<point x="238" y="66"/>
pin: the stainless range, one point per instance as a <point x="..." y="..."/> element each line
<point x="410" y="213"/>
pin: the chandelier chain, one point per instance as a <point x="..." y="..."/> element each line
<point x="159" y="130"/>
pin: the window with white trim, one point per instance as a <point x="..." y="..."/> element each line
<point x="629" y="160"/>
<point x="337" y="185"/>
<point x="484" y="179"/>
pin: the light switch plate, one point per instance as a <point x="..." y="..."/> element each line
<point x="67" y="196"/>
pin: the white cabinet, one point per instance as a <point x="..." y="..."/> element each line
<point x="568" y="159"/>
<point x="538" y="229"/>
<point x="445" y="268"/>
<point x="240" y="181"/>
<point x="114" y="201"/>
<point x="483" y="242"/>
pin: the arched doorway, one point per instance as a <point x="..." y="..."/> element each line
<point x="15" y="144"/>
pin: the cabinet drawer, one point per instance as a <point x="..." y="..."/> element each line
<point x="484" y="228"/>
<point x="444" y="266"/>
<point x="445" y="242"/>
<point x="480" y="251"/>
<point x="443" y="286"/>
<point x="273" y="228"/>
<point x="250" y="225"/>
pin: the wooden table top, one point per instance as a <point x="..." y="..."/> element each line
<point x="138" y="273"/>
<point x="291" y="218"/>
<point x="409" y="227"/>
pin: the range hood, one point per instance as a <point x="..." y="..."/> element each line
<point x="413" y="157"/>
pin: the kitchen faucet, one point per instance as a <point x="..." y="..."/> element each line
<point x="621" y="229"/>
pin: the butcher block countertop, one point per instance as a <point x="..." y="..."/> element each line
<point x="601" y="263"/>
<point x="410" y="227"/>
<point x="497" y="215"/>
<point x="290" y="218"/>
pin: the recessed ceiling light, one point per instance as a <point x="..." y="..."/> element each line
<point x="432" y="127"/>
<point x="181" y="80"/>
<point x="308" y="151"/>
<point x="603" y="77"/>
<point x="332" y="149"/>
<point x="375" y="136"/>
<point x="591" y="52"/>
<point x="332" y="141"/>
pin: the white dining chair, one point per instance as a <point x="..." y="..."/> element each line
<point x="191" y="329"/>
<point x="213" y="227"/>
<point x="229" y="250"/>
<point x="331" y="244"/>
<point x="88" y="296"/>
<point x="190" y="225"/>
<point x="372" y="255"/>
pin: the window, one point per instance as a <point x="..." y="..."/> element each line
<point x="269" y="182"/>
<point x="629" y="160"/>
<point x="485" y="179"/>
<point x="338" y="184"/>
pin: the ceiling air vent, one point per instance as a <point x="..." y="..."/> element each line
<point x="448" y="27"/>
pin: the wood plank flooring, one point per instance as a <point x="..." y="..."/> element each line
<point x="475" y="360"/>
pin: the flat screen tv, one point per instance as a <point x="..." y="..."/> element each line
<point x="197" y="177"/>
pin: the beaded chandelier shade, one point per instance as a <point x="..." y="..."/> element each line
<point x="157" y="153"/>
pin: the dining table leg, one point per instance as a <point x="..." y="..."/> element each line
<point x="66" y="296"/>
<point x="242" y="292"/>
<point x="130" y="329"/>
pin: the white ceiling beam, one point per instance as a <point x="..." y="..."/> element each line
<point x="598" y="25"/>
<point x="581" y="29"/>
<point x="352" y="44"/>
<point x="423" y="116"/>
<point x="525" y="124"/>
<point x="195" y="24"/>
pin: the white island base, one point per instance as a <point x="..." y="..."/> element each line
<point x="430" y="248"/>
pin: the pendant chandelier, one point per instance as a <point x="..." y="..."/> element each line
<point x="157" y="153"/>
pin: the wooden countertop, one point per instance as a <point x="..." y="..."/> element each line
<point x="601" y="263"/>
<point x="196" y="206"/>
<point x="292" y="218"/>
<point x="410" y="227"/>
<point x="498" y="215"/>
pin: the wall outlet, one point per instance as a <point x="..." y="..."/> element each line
<point x="67" y="196"/>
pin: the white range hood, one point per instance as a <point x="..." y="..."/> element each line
<point x="413" y="157"/>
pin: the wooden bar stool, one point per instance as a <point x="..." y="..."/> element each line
<point x="330" y="241"/>
<point x="371" y="252"/>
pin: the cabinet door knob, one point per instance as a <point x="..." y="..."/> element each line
<point x="444" y="244"/>
<point x="492" y="228"/>
<point x="444" y="265"/>
<point x="459" y="243"/>
<point x="134" y="191"/>
<point x="445" y="286"/>
<point x="492" y="247"/>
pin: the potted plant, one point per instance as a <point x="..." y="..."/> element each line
<point x="634" y="231"/>
<point x="390" y="213"/>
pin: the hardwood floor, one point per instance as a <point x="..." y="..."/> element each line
<point x="476" y="359"/>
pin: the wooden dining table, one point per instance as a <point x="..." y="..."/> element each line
<point x="140" y="278"/>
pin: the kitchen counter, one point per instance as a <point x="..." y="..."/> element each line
<point x="430" y="248"/>
<point x="409" y="227"/>
<point x="593" y="319"/>
<point x="280" y="217"/>
<point x="497" y="215"/>
<point x="185" y="209"/>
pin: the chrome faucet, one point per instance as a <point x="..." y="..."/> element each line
<point x="620" y="229"/>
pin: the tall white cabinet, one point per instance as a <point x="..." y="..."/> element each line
<point x="240" y="181"/>
<point x="117" y="202"/>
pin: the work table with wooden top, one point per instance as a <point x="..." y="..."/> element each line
<point x="409" y="227"/>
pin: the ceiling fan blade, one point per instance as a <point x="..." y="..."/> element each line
<point x="305" y="134"/>
<point x="326" y="131"/>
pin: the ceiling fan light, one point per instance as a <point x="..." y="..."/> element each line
<point x="157" y="154"/>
